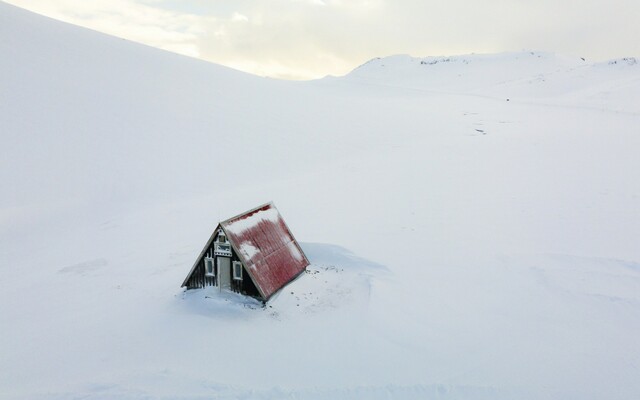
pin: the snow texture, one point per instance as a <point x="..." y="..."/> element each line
<point x="472" y="224"/>
<point x="240" y="225"/>
<point x="248" y="250"/>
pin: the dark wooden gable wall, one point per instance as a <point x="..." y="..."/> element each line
<point x="198" y="278"/>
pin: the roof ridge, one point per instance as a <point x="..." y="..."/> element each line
<point x="270" y="203"/>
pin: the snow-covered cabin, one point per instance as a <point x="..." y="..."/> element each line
<point x="253" y="253"/>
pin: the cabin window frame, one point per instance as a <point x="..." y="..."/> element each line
<point x="237" y="264"/>
<point x="211" y="273"/>
<point x="222" y="238"/>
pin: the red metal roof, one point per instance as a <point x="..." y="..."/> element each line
<point x="268" y="250"/>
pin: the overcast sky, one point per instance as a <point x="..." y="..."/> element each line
<point x="301" y="39"/>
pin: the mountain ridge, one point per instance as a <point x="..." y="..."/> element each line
<point x="463" y="246"/>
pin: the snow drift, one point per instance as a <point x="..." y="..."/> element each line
<point x="462" y="245"/>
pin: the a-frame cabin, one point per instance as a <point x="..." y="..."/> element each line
<point x="253" y="253"/>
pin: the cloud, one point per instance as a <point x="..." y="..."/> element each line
<point x="130" y="19"/>
<point x="311" y="38"/>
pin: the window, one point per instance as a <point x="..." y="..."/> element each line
<point x="237" y="270"/>
<point x="222" y="239"/>
<point x="208" y="267"/>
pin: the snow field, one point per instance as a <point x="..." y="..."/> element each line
<point x="463" y="246"/>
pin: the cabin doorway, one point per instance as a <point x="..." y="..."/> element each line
<point x="224" y="272"/>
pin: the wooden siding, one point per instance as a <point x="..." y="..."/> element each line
<point x="198" y="278"/>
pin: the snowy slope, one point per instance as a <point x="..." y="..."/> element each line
<point x="462" y="246"/>
<point x="530" y="76"/>
<point x="467" y="73"/>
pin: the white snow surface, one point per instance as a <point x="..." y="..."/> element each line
<point x="248" y="250"/>
<point x="463" y="246"/>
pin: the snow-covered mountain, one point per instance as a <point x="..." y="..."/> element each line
<point x="527" y="76"/>
<point x="463" y="246"/>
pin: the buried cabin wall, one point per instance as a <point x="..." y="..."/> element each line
<point x="199" y="280"/>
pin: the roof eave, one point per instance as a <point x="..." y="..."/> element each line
<point x="287" y="283"/>
<point x="206" y="246"/>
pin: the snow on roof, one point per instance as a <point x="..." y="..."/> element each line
<point x="251" y="219"/>
<point x="267" y="248"/>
